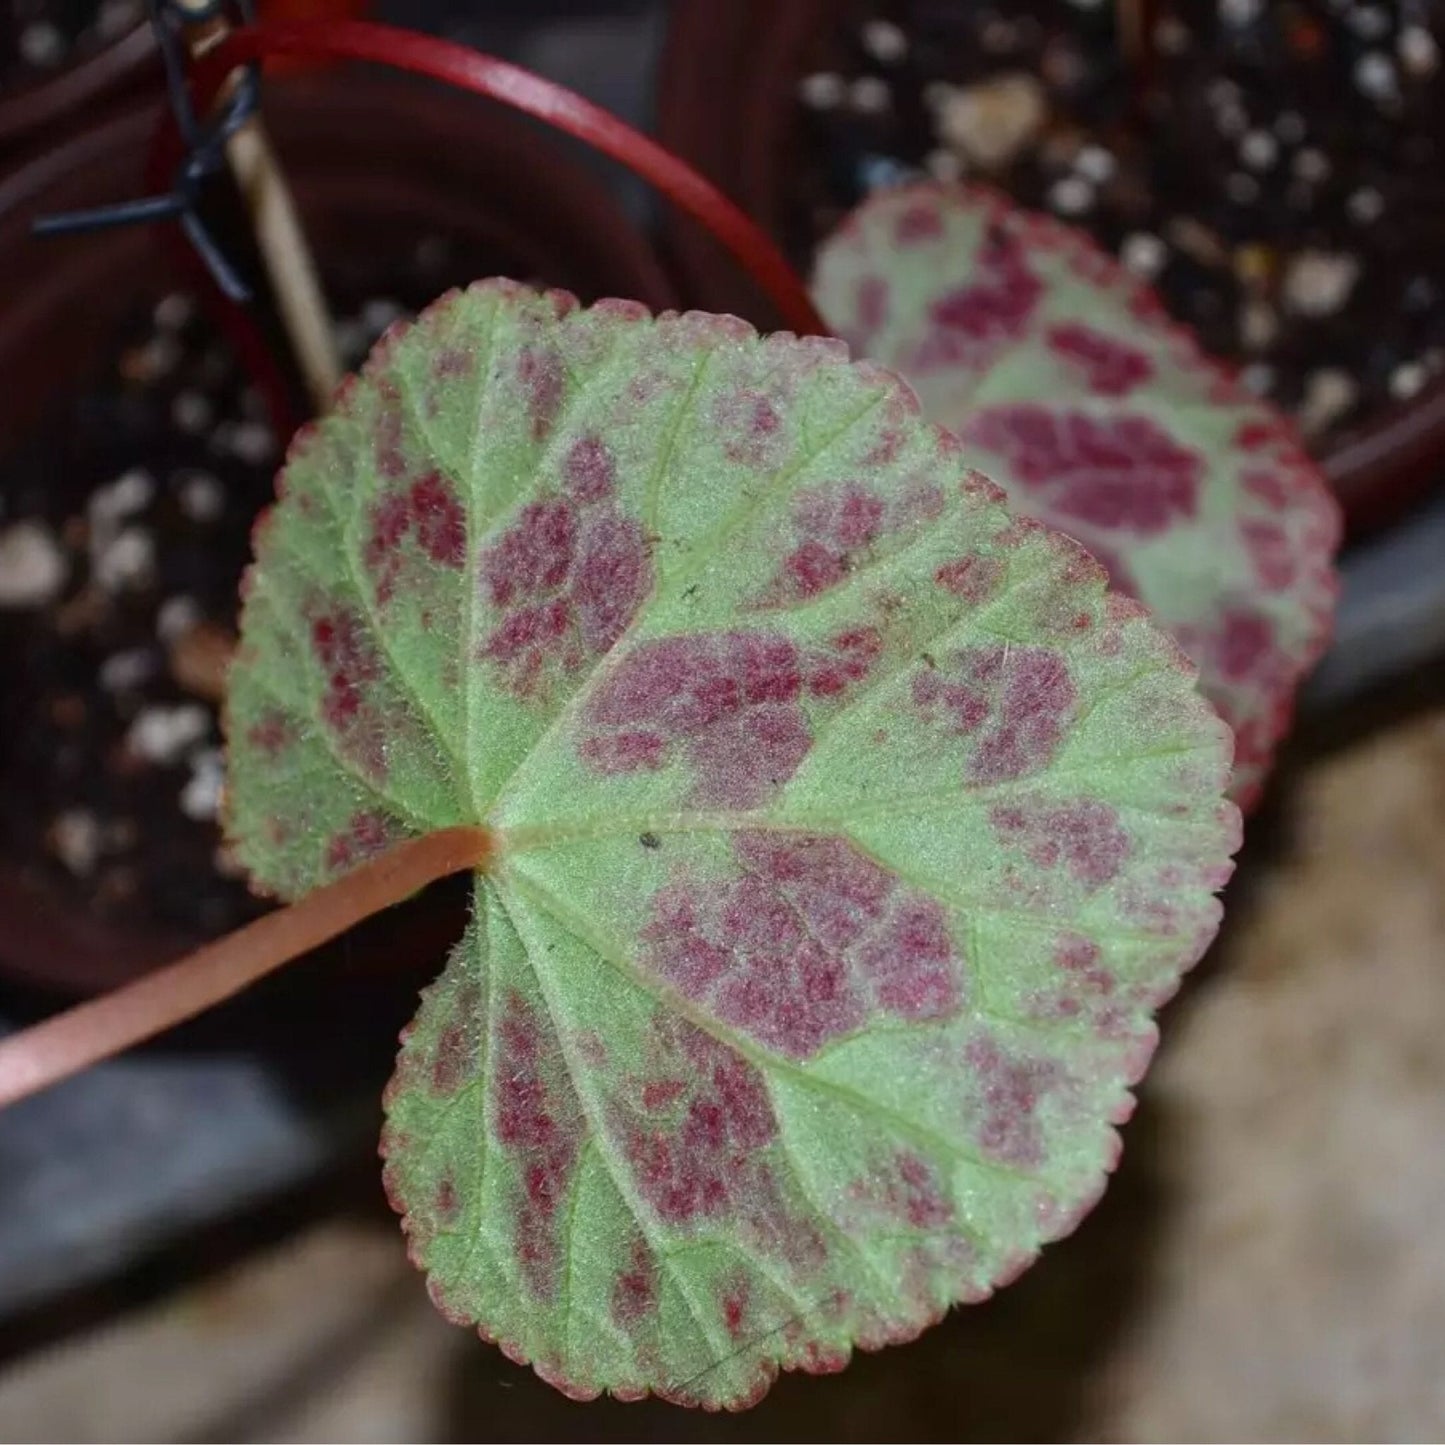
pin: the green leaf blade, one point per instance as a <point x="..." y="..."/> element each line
<point x="838" y="867"/>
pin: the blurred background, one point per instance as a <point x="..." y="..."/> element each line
<point x="193" y="1240"/>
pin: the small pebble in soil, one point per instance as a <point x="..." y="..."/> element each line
<point x="33" y="567"/>
<point x="869" y="95"/>
<point x="1418" y="52"/>
<point x="1258" y="326"/>
<point x="1096" y="164"/>
<point x="1239" y="13"/>
<point x="1259" y="150"/>
<point x="126" y="671"/>
<point x="254" y="442"/>
<point x="1365" y="205"/>
<point x="1369" y="22"/>
<point x="1328" y="394"/>
<point x="173" y="311"/>
<point x="1375" y="76"/>
<point x="1144" y="254"/>
<point x="200" y="658"/>
<point x="192" y="411"/>
<point x="1407" y="380"/>
<point x="75" y="839"/>
<point x="884" y="41"/>
<point x="129" y="494"/>
<point x="991" y="122"/>
<point x="1318" y="283"/>
<point x="126" y="562"/>
<point x="201" y="496"/>
<point x="1311" y="165"/>
<point x="201" y="797"/>
<point x="176" y="616"/>
<point x="42" y="45"/>
<point x="163" y="734"/>
<point x="1072" y="196"/>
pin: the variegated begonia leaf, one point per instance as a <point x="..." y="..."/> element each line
<point x="847" y="831"/>
<point x="1096" y="413"/>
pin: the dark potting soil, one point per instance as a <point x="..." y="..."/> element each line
<point x="40" y="37"/>
<point x="125" y="526"/>
<point x="1277" y="168"/>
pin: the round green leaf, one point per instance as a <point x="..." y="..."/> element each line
<point x="847" y="832"/>
<point x="1072" y="388"/>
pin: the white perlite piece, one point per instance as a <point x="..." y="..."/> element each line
<point x="192" y="411"/>
<point x="201" y="496"/>
<point x="1071" y="196"/>
<point x="163" y="735"/>
<point x="41" y="44"/>
<point x="1418" y="51"/>
<point x="75" y="840"/>
<point x="126" y="562"/>
<point x="123" y="671"/>
<point x="33" y="568"/>
<point x="1258" y="325"/>
<point x="1407" y="380"/>
<point x="201" y="796"/>
<point x="884" y="41"/>
<point x="1144" y="254"/>
<point x="129" y="493"/>
<point x="993" y="121"/>
<point x="176" y="616"/>
<point x="1329" y="394"/>
<point x="869" y="95"/>
<point x="1318" y="283"/>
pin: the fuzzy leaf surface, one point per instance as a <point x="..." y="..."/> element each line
<point x="847" y="832"/>
<point x="1097" y="414"/>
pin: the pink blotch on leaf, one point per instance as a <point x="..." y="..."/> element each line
<point x="1014" y="701"/>
<point x="1121" y="473"/>
<point x="1009" y="1091"/>
<point x="272" y="733"/>
<point x="634" y="1296"/>
<point x="366" y="835"/>
<point x="543" y="378"/>
<point x="830" y="525"/>
<point x="351" y="666"/>
<point x="750" y="427"/>
<point x="730" y="701"/>
<point x="1083" y="836"/>
<point x="972" y="577"/>
<point x="1108" y="367"/>
<point x="428" y="512"/>
<point x="804" y="945"/>
<point x="540" y="1124"/>
<point x="969" y="325"/>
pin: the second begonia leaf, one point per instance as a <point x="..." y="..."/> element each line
<point x="1099" y="415"/>
<point x="847" y="831"/>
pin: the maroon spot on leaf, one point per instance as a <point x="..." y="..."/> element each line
<point x="729" y="700"/>
<point x="700" y="1161"/>
<point x="1015" y="701"/>
<point x="660" y="1093"/>
<point x="366" y="835"/>
<point x="870" y="303"/>
<point x="351" y="665"/>
<point x="905" y="1189"/>
<point x="849" y="658"/>
<point x="831" y="525"/>
<point x="1108" y="367"/>
<point x="539" y="1122"/>
<point x="611" y="578"/>
<point x="427" y="511"/>
<point x="750" y="427"/>
<point x="1083" y="837"/>
<point x="543" y="380"/>
<point x="1271" y="553"/>
<point x="1009" y="1091"/>
<point x="451" y="362"/>
<point x="589" y="473"/>
<point x="972" y="577"/>
<point x="969" y="325"/>
<point x="1243" y="647"/>
<point x="918" y="223"/>
<point x="388" y="449"/>
<point x="1121" y="473"/>
<point x="272" y="733"/>
<point x="445" y="1203"/>
<point x="809" y="941"/>
<point x="568" y="576"/>
<point x="634" y="1296"/>
<point x="735" y="1307"/>
<point x="457" y="1049"/>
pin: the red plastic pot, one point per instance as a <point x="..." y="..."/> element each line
<point x="375" y="163"/>
<point x="727" y="88"/>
